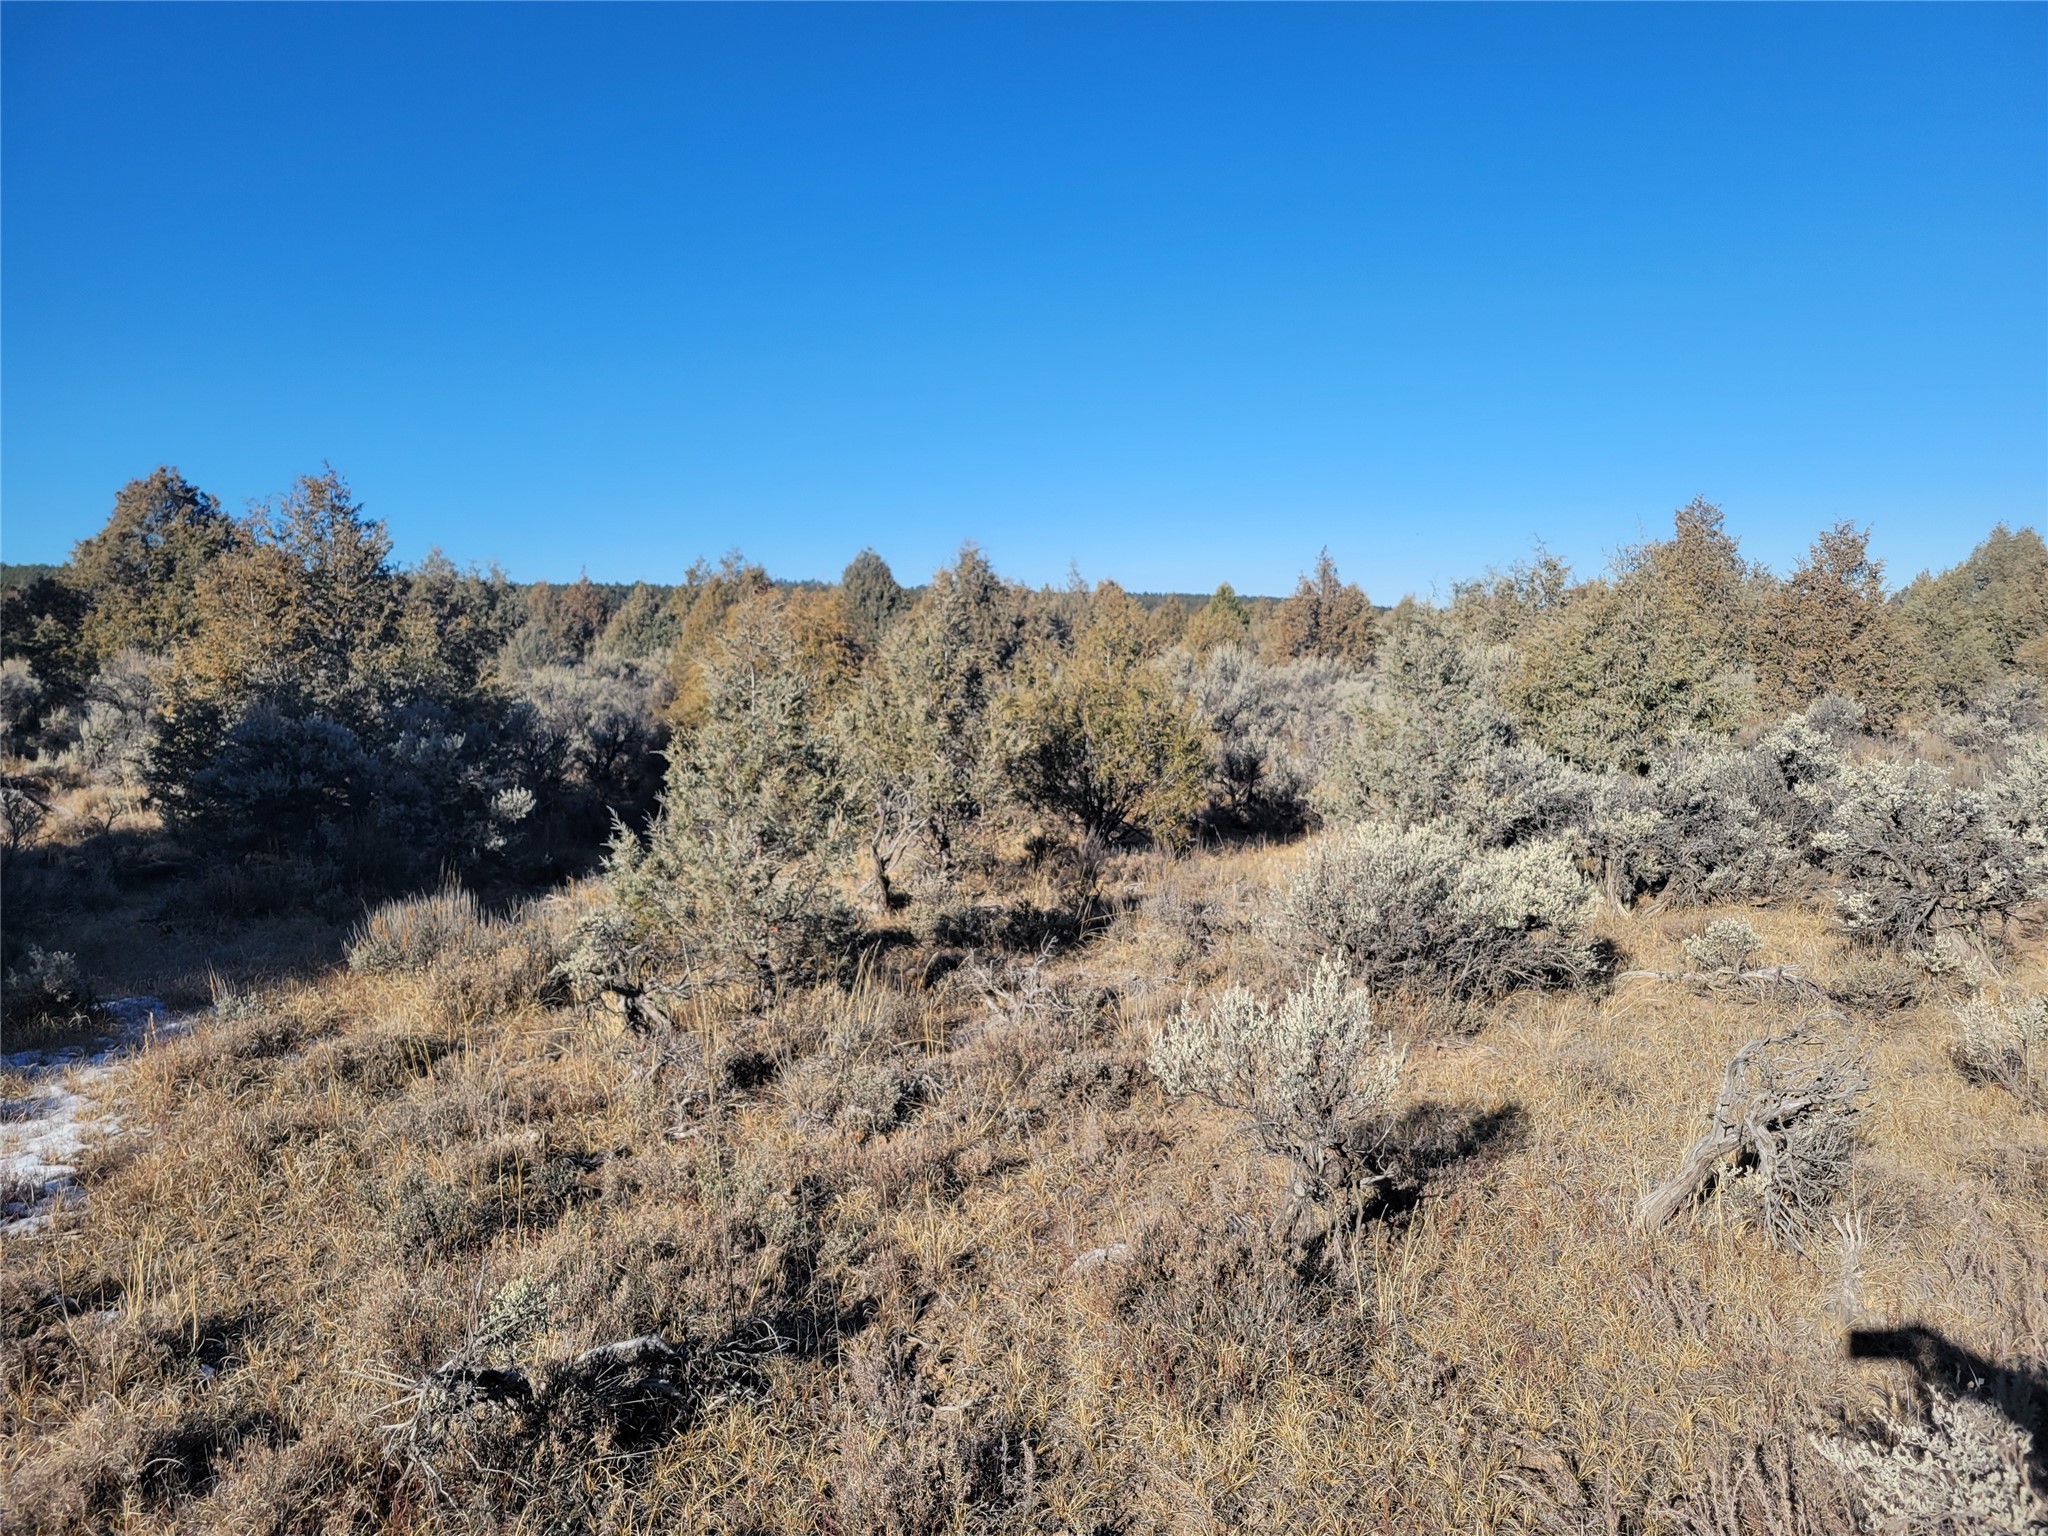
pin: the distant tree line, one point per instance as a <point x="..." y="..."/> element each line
<point x="765" y="757"/>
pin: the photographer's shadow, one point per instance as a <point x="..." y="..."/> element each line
<point x="2021" y="1395"/>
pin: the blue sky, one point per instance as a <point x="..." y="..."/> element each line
<point x="1179" y="294"/>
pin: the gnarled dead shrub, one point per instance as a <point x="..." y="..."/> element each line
<point x="1781" y="1133"/>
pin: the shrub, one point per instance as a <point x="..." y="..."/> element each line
<point x="1919" y="857"/>
<point x="1784" y="1125"/>
<point x="1727" y="944"/>
<point x="1313" y="1074"/>
<point x="1421" y="910"/>
<point x="24" y="807"/>
<point x="1963" y="1470"/>
<point x="1096" y="736"/>
<point x="1710" y="840"/>
<point x="2019" y="799"/>
<point x="1430" y="717"/>
<point x="598" y="724"/>
<point x="20" y="698"/>
<point x="733" y="883"/>
<point x="2006" y="1043"/>
<point x="118" y="728"/>
<point x="1272" y="729"/>
<point x="44" y="992"/>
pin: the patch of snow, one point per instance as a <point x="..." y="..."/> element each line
<point x="43" y="1132"/>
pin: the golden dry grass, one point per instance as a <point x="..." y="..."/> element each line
<point x="871" y="1204"/>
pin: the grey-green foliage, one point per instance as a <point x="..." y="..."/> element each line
<point x="1272" y="728"/>
<point x="1425" y="733"/>
<point x="598" y="722"/>
<point x="1731" y="823"/>
<point x="114" y="734"/>
<point x="1960" y="1472"/>
<point x="1313" y="1074"/>
<point x="1422" y="910"/>
<point x="1919" y="856"/>
<point x="2019" y="799"/>
<point x="2005" y="1041"/>
<point x="734" y="881"/>
<point x="44" y="987"/>
<point x="20" y="694"/>
<point x="645" y="627"/>
<point x="1726" y="944"/>
<point x="921" y="758"/>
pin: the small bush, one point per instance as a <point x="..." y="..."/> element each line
<point x="1963" y="1470"/>
<point x="1271" y="729"/>
<point x="1422" y="911"/>
<point x="2006" y="1043"/>
<point x="2019" y="799"/>
<point x="1313" y="1074"/>
<point x="1727" y="944"/>
<point x="43" y="994"/>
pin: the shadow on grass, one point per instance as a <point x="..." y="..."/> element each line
<point x="1432" y="1139"/>
<point x="2020" y="1394"/>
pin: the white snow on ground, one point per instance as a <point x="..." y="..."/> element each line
<point x="43" y="1132"/>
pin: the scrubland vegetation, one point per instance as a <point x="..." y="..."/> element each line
<point x="749" y="1057"/>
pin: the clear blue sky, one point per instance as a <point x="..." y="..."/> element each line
<point x="1181" y="294"/>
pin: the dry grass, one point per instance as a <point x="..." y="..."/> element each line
<point x="940" y="1258"/>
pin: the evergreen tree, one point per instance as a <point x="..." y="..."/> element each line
<point x="1325" y="616"/>
<point x="733" y="885"/>
<point x="140" y="571"/>
<point x="1828" y="629"/>
<point x="872" y="597"/>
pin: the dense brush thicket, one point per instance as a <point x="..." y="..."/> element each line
<point x="1683" y="727"/>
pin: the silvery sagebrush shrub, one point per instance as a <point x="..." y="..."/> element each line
<point x="20" y="694"/>
<point x="1961" y="1471"/>
<point x="1430" y="716"/>
<point x="1712" y="840"/>
<point x="2019" y="799"/>
<point x="2006" y="1042"/>
<point x="1618" y="836"/>
<point x="1919" y="857"/>
<point x="118" y="728"/>
<point x="1739" y="823"/>
<point x="44" y="988"/>
<point x="1726" y="944"/>
<point x="1421" y="910"/>
<point x="1272" y="727"/>
<point x="1517" y="793"/>
<point x="1313" y="1074"/>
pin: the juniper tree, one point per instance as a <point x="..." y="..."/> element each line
<point x="873" y="599"/>
<point x="1829" y="629"/>
<point x="733" y="884"/>
<point x="1325" y="616"/>
<point x="140" y="571"/>
<point x="1095" y="734"/>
